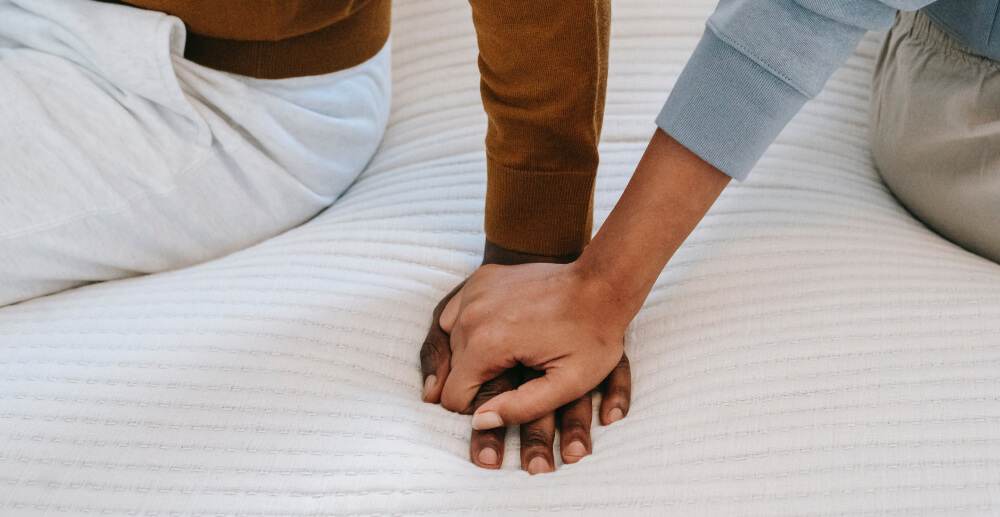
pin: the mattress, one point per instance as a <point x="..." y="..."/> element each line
<point x="812" y="349"/>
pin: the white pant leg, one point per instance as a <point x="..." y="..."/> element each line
<point x="118" y="157"/>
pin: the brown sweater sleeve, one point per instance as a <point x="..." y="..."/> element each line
<point x="544" y="70"/>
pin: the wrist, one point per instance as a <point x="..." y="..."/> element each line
<point x="669" y="193"/>
<point x="615" y="306"/>
<point x="495" y="254"/>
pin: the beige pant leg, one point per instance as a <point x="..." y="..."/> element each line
<point x="935" y="130"/>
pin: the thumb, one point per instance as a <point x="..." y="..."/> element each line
<point x="533" y="400"/>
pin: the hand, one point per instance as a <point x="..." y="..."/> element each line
<point x="569" y="320"/>
<point x="669" y="193"/>
<point x="573" y="419"/>
<point x="545" y="316"/>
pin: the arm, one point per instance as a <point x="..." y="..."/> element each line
<point x="758" y="62"/>
<point x="570" y="320"/>
<point x="668" y="196"/>
<point x="543" y="73"/>
<point x="544" y="68"/>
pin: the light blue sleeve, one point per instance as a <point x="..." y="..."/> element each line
<point x="758" y="62"/>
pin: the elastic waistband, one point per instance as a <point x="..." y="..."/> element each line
<point x="920" y="26"/>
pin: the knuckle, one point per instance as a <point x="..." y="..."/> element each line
<point x="534" y="438"/>
<point x="580" y="381"/>
<point x="484" y="335"/>
<point x="574" y="423"/>
<point x="469" y="326"/>
<point x="620" y="389"/>
<point x="475" y="335"/>
<point x="451" y="403"/>
<point x="473" y="308"/>
<point x="479" y="317"/>
<point x="431" y="356"/>
<point x="470" y="312"/>
<point x="429" y="352"/>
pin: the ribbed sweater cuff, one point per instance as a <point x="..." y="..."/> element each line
<point x="727" y="108"/>
<point x="542" y="213"/>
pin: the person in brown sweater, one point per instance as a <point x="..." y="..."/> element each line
<point x="544" y="69"/>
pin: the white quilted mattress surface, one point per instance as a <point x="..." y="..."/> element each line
<point x="811" y="350"/>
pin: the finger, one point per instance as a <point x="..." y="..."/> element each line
<point x="574" y="428"/>
<point x="486" y="447"/>
<point x="537" y="436"/>
<point x="467" y="375"/>
<point x="536" y="445"/>
<point x="435" y="354"/>
<point x="617" y="392"/>
<point x="532" y="400"/>
<point x="435" y="362"/>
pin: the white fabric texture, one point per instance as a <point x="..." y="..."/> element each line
<point x="811" y="350"/>
<point x="119" y="157"/>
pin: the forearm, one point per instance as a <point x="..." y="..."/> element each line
<point x="668" y="195"/>
<point x="544" y="69"/>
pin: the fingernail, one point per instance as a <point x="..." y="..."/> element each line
<point x="538" y="465"/>
<point x="615" y="415"/>
<point x="486" y="420"/>
<point x="429" y="385"/>
<point x="487" y="456"/>
<point x="574" y="451"/>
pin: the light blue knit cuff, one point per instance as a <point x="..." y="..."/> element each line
<point x="727" y="108"/>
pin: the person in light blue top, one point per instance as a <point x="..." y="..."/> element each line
<point x="935" y="138"/>
<point x="759" y="61"/>
<point x="935" y="104"/>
